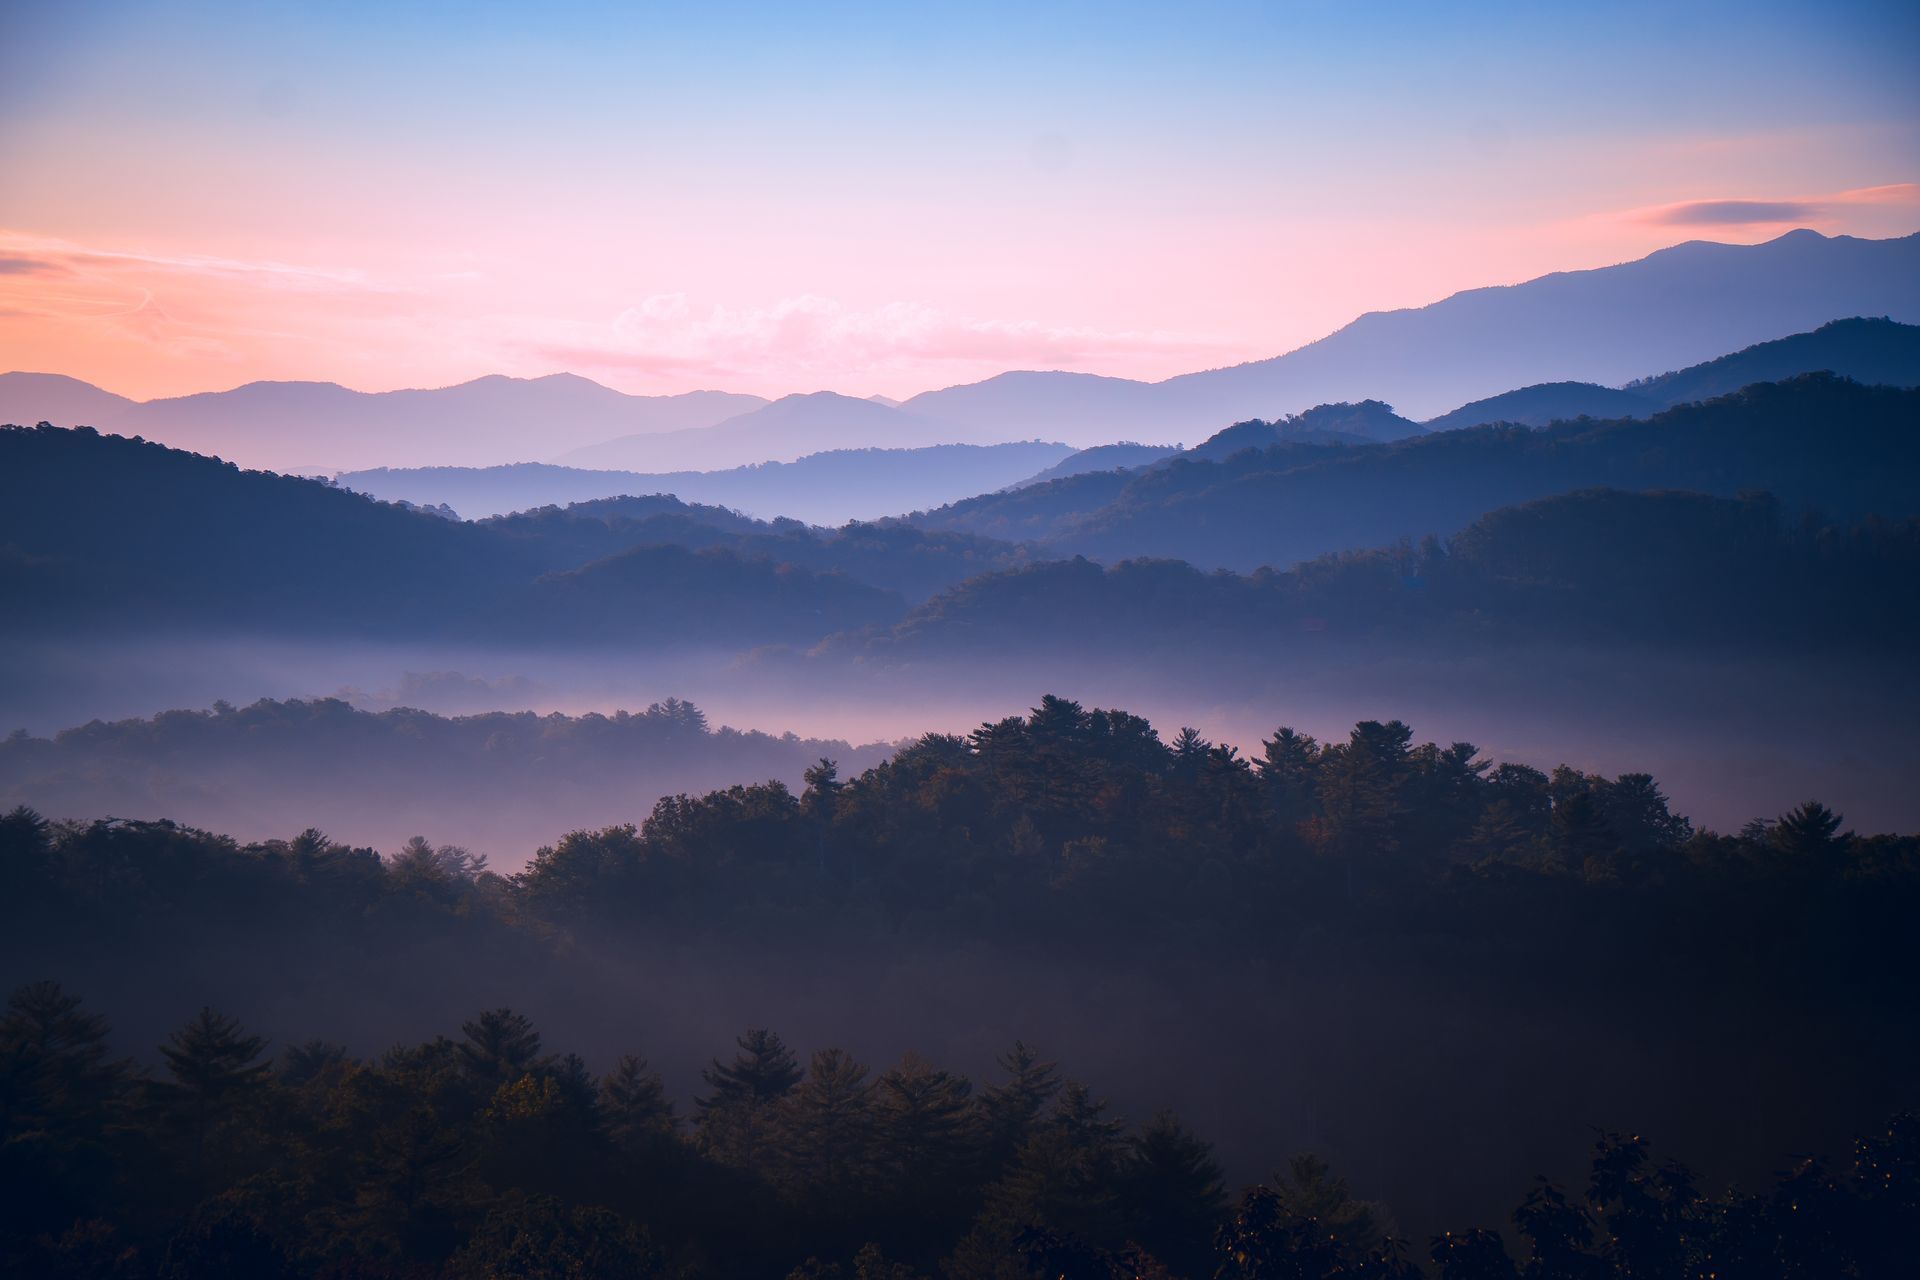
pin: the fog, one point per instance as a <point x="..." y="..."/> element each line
<point x="1728" y="741"/>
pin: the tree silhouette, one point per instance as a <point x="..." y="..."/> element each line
<point x="634" y="1105"/>
<point x="214" y="1068"/>
<point x="1011" y="1110"/>
<point x="731" y="1117"/>
<point x="1807" y="833"/>
<point x="498" y="1047"/>
<point x="1174" y="1194"/>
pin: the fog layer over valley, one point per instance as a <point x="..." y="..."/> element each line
<point x="1544" y="592"/>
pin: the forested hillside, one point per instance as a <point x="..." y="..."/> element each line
<point x="498" y="782"/>
<point x="1662" y="570"/>
<point x="821" y="488"/>
<point x="1844" y="449"/>
<point x="1879" y="352"/>
<point x="1364" y="900"/>
<point x="102" y="535"/>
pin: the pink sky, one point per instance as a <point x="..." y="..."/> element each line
<point x="221" y="194"/>
<point x="158" y="315"/>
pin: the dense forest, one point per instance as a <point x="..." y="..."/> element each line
<point x="1816" y="441"/>
<point x="500" y="781"/>
<point x="1661" y="570"/>
<point x="1516" y="930"/>
<point x="486" y="1156"/>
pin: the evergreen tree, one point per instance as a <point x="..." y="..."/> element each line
<point x="1010" y="1111"/>
<point x="826" y="1129"/>
<point x="215" y="1068"/>
<point x="731" y="1117"/>
<point x="499" y="1047"/>
<point x="1172" y="1193"/>
<point x="1807" y="833"/>
<point x="926" y="1123"/>
<point x="634" y="1105"/>
<point x="1289" y="767"/>
<point x="63" y="1104"/>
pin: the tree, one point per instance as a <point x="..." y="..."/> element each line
<point x="499" y="1047"/>
<point x="1189" y="751"/>
<point x="1637" y="812"/>
<point x="1289" y="768"/>
<point x="1807" y="833"/>
<point x="928" y="1141"/>
<point x="63" y="1105"/>
<point x="731" y="1117"/>
<point x="1172" y="1194"/>
<point x="826" y="1129"/>
<point x="634" y="1106"/>
<point x="1010" y="1111"/>
<point x="420" y="864"/>
<point x="215" y="1069"/>
<point x="1360" y="782"/>
<point x="539" y="1238"/>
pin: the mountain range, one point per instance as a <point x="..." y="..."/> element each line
<point x="105" y="535"/>
<point x="1874" y="351"/>
<point x="1671" y="309"/>
<point x="822" y="488"/>
<point x="1816" y="441"/>
<point x="865" y="484"/>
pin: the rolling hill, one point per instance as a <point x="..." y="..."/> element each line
<point x="823" y="488"/>
<point x="109" y="536"/>
<point x="322" y="426"/>
<point x="1881" y="352"/>
<point x="1816" y="440"/>
<point x="790" y="428"/>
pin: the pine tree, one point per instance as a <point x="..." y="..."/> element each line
<point x="731" y="1118"/>
<point x="1289" y="769"/>
<point x="1807" y="833"/>
<point x="926" y="1122"/>
<point x="1173" y="1194"/>
<point x="63" y="1101"/>
<point x="500" y="1047"/>
<point x="826" y="1128"/>
<point x="634" y="1105"/>
<point x="215" y="1068"/>
<point x="1010" y="1111"/>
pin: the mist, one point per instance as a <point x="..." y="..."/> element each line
<point x="1729" y="740"/>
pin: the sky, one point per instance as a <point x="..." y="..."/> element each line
<point x="881" y="198"/>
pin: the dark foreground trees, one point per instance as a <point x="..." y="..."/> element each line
<point x="484" y="1157"/>
<point x="1069" y="844"/>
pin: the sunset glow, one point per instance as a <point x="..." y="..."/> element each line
<point x="769" y="205"/>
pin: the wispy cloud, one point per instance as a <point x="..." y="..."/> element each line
<point x="24" y="265"/>
<point x="1775" y="212"/>
<point x="22" y="253"/>
<point x="818" y="335"/>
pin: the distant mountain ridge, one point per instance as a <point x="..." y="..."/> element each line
<point x="1673" y="308"/>
<point x="1880" y="351"/>
<point x="322" y="426"/>
<point x="823" y="488"/>
<point x="1816" y="440"/>
<point x="104" y="535"/>
<point x="789" y="428"/>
